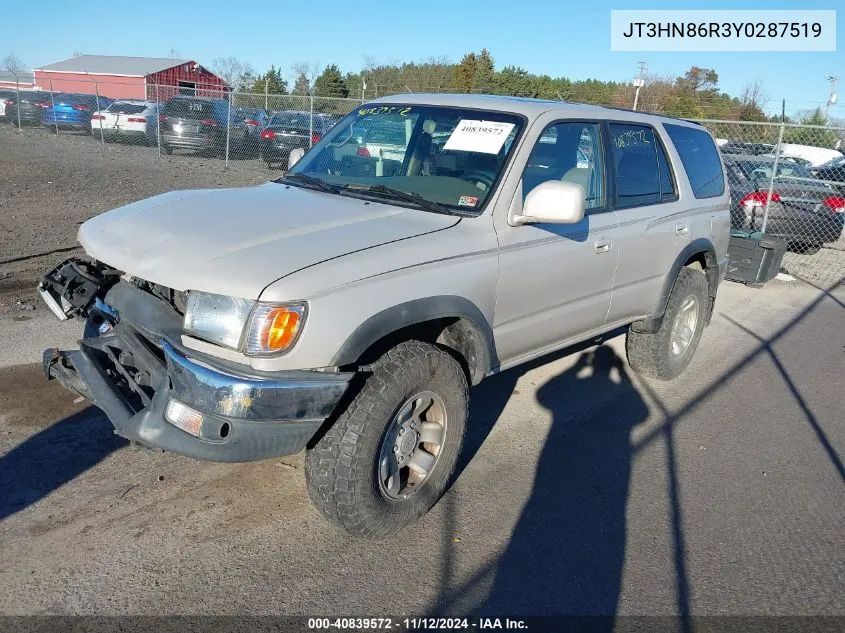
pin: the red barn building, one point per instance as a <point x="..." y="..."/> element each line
<point x="120" y="77"/>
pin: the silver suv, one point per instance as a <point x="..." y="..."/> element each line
<point x="347" y="307"/>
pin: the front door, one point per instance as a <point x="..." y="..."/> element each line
<point x="555" y="280"/>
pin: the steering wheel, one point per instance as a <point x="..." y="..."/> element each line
<point x="480" y="177"/>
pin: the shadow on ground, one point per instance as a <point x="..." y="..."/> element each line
<point x="57" y="453"/>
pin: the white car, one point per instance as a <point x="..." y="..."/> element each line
<point x="816" y="156"/>
<point x="129" y="119"/>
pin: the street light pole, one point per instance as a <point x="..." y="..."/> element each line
<point x="639" y="82"/>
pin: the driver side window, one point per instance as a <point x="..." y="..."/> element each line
<point x="568" y="152"/>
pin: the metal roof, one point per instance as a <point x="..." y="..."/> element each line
<point x="115" y="65"/>
<point x="24" y="78"/>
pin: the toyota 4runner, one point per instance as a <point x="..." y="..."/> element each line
<point x="346" y="307"/>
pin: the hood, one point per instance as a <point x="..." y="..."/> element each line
<point x="237" y="241"/>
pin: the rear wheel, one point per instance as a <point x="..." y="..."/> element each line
<point x="389" y="456"/>
<point x="166" y="149"/>
<point x="664" y="354"/>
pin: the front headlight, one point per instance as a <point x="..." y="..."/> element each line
<point x="217" y="318"/>
<point x="256" y="329"/>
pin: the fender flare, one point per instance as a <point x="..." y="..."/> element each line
<point x="703" y="246"/>
<point x="417" y="311"/>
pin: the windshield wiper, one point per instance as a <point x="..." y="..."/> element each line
<point x="322" y="185"/>
<point x="414" y="198"/>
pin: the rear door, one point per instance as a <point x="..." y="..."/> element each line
<point x="654" y="226"/>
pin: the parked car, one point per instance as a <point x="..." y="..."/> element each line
<point x="30" y="107"/>
<point x="255" y="118"/>
<point x="73" y="111"/>
<point x="803" y="211"/>
<point x="5" y="94"/>
<point x="346" y="308"/>
<point x="288" y="130"/>
<point x="810" y="154"/>
<point x="127" y="119"/>
<point x="199" y="124"/>
<point x="747" y="149"/>
<point x="832" y="171"/>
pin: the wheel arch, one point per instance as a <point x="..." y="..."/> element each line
<point x="448" y="320"/>
<point x="700" y="254"/>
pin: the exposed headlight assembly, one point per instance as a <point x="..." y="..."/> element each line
<point x="251" y="327"/>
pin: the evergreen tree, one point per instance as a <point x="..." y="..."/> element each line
<point x="485" y="71"/>
<point x="271" y="82"/>
<point x="330" y="83"/>
<point x="301" y="86"/>
<point x="465" y="74"/>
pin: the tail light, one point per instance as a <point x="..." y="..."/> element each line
<point x="10" y="102"/>
<point x="363" y="151"/>
<point x="251" y="122"/>
<point x="136" y="119"/>
<point x="268" y="134"/>
<point x="758" y="199"/>
<point x="315" y="138"/>
<point x="835" y="204"/>
<point x="42" y="104"/>
<point x="83" y="107"/>
<point x="97" y="117"/>
<point x="162" y="118"/>
<point x="211" y="122"/>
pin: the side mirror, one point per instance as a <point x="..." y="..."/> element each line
<point x="552" y="202"/>
<point x="294" y="156"/>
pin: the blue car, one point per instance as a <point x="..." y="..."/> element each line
<point x="72" y="111"/>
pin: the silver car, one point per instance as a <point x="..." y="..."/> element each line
<point x="347" y="307"/>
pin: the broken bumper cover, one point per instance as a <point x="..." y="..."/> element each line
<point x="245" y="418"/>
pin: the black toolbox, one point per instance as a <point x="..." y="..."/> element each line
<point x="754" y="258"/>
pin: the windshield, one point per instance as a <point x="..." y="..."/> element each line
<point x="452" y="157"/>
<point x="124" y="107"/>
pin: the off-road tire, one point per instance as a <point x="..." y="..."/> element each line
<point x="650" y="354"/>
<point x="340" y="470"/>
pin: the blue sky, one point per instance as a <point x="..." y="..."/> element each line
<point x="543" y="36"/>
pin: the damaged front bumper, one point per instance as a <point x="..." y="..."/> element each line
<point x="133" y="375"/>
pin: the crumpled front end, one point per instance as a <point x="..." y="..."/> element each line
<point x="156" y="392"/>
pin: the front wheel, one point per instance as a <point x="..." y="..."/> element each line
<point x="389" y="456"/>
<point x="664" y="354"/>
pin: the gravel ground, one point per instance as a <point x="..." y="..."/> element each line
<point x="50" y="184"/>
<point x="583" y="489"/>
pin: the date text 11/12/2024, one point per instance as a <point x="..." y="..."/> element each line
<point x="414" y="624"/>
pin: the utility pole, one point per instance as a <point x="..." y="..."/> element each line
<point x="833" y="96"/>
<point x="639" y="82"/>
<point x="267" y="93"/>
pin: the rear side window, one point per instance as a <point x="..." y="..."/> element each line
<point x="634" y="151"/>
<point x="700" y="158"/>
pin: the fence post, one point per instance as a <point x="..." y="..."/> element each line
<point x="158" y="121"/>
<point x="267" y="94"/>
<point x="228" y="129"/>
<point x="53" y="104"/>
<point x="18" y="97"/>
<point x="778" y="151"/>
<point x="311" y="122"/>
<point x="100" y="120"/>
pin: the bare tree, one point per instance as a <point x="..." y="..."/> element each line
<point x="304" y="71"/>
<point x="232" y="70"/>
<point x="173" y="53"/>
<point x="13" y="64"/>
<point x="77" y="54"/>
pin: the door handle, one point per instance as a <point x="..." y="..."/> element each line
<point x="603" y="245"/>
<point x="681" y="228"/>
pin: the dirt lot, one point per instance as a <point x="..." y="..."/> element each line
<point x="582" y="489"/>
<point x="50" y="184"/>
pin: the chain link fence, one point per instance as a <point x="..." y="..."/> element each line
<point x="786" y="180"/>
